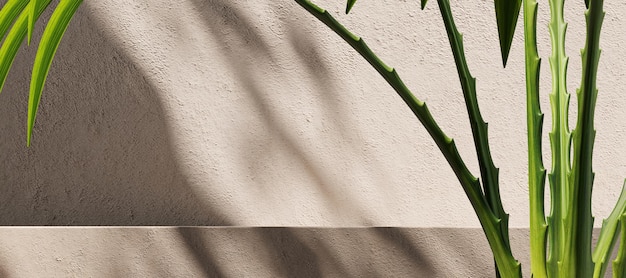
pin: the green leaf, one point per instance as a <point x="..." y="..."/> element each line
<point x="560" y="221"/>
<point x="507" y="12"/>
<point x="9" y="13"/>
<point x="536" y="170"/>
<point x="423" y="4"/>
<point x="47" y="48"/>
<point x="349" y="5"/>
<point x="32" y="7"/>
<point x="488" y="171"/>
<point x="608" y="236"/>
<point x="14" y="38"/>
<point x="491" y="224"/>
<point x="619" y="264"/>
<point x="581" y="180"/>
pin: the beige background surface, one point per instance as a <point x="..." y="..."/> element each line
<point x="253" y="113"/>
<point x="248" y="252"/>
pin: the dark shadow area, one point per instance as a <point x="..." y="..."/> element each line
<point x="399" y="239"/>
<point x="338" y="252"/>
<point x="248" y="252"/>
<point x="291" y="256"/>
<point x="3" y="272"/>
<point x="101" y="153"/>
<point x="103" y="150"/>
<point x="200" y="248"/>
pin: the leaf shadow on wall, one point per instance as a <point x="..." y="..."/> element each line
<point x="101" y="152"/>
<point x="229" y="24"/>
<point x="103" y="155"/>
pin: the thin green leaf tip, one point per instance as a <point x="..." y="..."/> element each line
<point x="45" y="53"/>
<point x="17" y="33"/>
<point x="423" y="4"/>
<point x="349" y="5"/>
<point x="507" y="12"/>
<point x="31" y="18"/>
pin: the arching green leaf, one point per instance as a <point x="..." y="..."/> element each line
<point x="32" y="7"/>
<point x="47" y="48"/>
<point x="9" y="13"/>
<point x="14" y="38"/>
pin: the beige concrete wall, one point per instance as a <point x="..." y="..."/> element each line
<point x="253" y="113"/>
<point x="247" y="252"/>
<point x="216" y="112"/>
<point x="251" y="252"/>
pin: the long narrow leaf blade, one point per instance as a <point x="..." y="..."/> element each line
<point x="9" y="13"/>
<point x="47" y="48"/>
<point x="583" y="140"/>
<point x="470" y="184"/>
<point x="560" y="221"/>
<point x="31" y="18"/>
<point x="608" y="236"/>
<point x="14" y="38"/>
<point x="488" y="170"/>
<point x="536" y="170"/>
<point x="507" y="12"/>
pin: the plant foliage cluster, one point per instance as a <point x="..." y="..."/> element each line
<point x="17" y="20"/>
<point x="560" y="242"/>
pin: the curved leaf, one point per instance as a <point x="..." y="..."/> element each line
<point x="32" y="7"/>
<point x="47" y="48"/>
<point x="9" y="13"/>
<point x="490" y="223"/>
<point x="488" y="171"/>
<point x="14" y="38"/>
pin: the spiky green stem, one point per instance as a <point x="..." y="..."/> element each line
<point x="508" y="265"/>
<point x="488" y="171"/>
<point x="608" y="236"/>
<point x="560" y="145"/>
<point x="619" y="264"/>
<point x="536" y="170"/>
<point x="581" y="179"/>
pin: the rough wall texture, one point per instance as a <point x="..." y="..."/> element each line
<point x="216" y="112"/>
<point x="247" y="252"/>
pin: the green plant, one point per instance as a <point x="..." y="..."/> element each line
<point x="17" y="19"/>
<point x="561" y="242"/>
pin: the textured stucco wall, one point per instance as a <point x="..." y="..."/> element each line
<point x="251" y="252"/>
<point x="247" y="252"/>
<point x="253" y="113"/>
